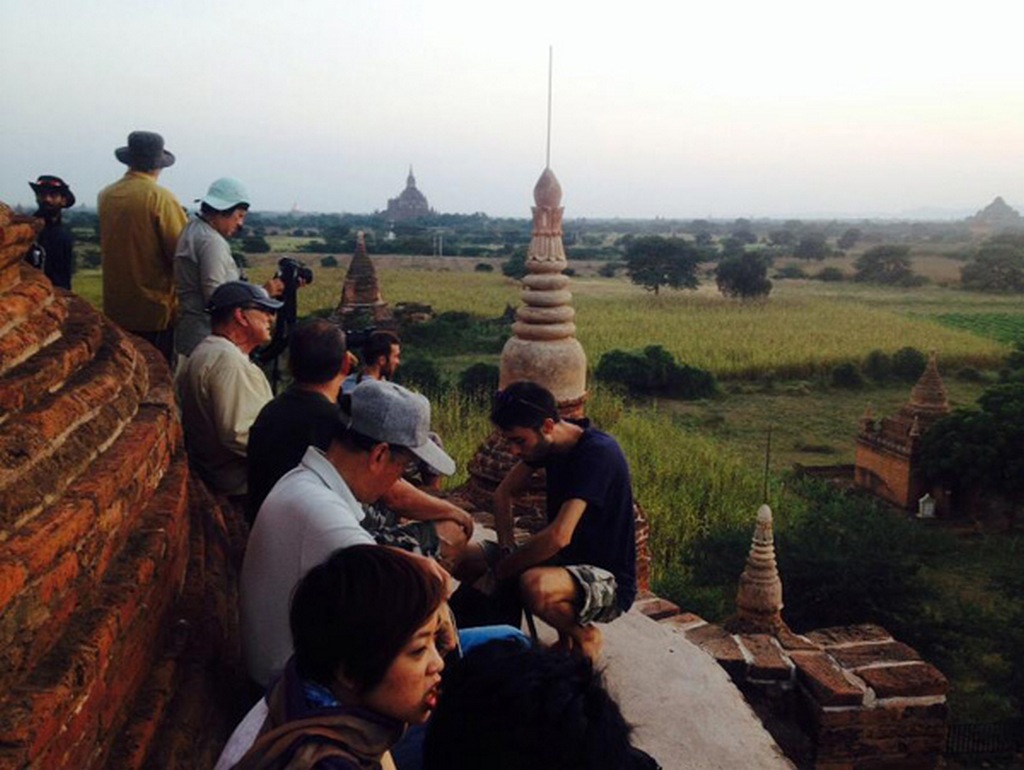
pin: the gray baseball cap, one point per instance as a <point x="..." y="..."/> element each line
<point x="389" y="413"/>
<point x="239" y="293"/>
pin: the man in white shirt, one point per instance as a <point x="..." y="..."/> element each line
<point x="316" y="509"/>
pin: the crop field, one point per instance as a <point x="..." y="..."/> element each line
<point x="803" y="330"/>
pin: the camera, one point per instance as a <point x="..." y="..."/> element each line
<point x="291" y="272"/>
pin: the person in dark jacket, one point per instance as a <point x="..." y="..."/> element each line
<point x="52" y="251"/>
<point x="370" y="629"/>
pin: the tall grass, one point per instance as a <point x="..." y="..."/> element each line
<point x="803" y="330"/>
<point x="688" y="485"/>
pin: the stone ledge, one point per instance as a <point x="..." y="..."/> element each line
<point x="766" y="661"/>
<point x="873" y="653"/>
<point x="841" y="635"/>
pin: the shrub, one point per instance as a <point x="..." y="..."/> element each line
<point x="420" y="374"/>
<point x="655" y="372"/>
<point x="255" y="244"/>
<point x="479" y="380"/>
<point x="830" y="275"/>
<point x="878" y="366"/>
<point x="483" y="267"/>
<point x="329" y="261"/>
<point x="969" y="374"/>
<point x="608" y="269"/>
<point x="791" y="272"/>
<point x="847" y="375"/>
<point x="908" y="364"/>
<point x="515" y="266"/>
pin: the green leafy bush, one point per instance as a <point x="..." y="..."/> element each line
<point x="483" y="267"/>
<point x="420" y="374"/>
<point x="479" y="380"/>
<point x="655" y="372"/>
<point x="878" y="366"/>
<point x="847" y="375"/>
<point x="908" y="364"/>
<point x="329" y="261"/>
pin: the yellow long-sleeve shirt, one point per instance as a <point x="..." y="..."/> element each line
<point x="139" y="227"/>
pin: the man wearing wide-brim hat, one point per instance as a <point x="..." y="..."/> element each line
<point x="140" y="223"/>
<point x="53" y="249"/>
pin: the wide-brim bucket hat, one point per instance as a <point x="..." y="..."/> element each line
<point x="51" y="183"/>
<point x="145" y="149"/>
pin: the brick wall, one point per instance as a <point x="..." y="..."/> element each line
<point x="115" y="581"/>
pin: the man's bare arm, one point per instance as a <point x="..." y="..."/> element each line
<point x="412" y="503"/>
<point x="546" y="543"/>
<point x="513" y="483"/>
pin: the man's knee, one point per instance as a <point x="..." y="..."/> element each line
<point x="542" y="587"/>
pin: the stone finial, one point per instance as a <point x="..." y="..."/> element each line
<point x="759" y="598"/>
<point x="929" y="395"/>
<point x="543" y="346"/>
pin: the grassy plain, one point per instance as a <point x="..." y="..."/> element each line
<point x="698" y="467"/>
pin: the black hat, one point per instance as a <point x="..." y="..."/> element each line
<point x="50" y="183"/>
<point x="238" y="293"/>
<point x="145" y="150"/>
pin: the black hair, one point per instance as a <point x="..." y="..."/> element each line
<point x="379" y="344"/>
<point x="509" y="707"/>
<point x="207" y="210"/>
<point x="316" y="351"/>
<point x="523" y="404"/>
<point x="353" y="613"/>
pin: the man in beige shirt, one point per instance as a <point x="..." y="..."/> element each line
<point x="221" y="391"/>
<point x="139" y="227"/>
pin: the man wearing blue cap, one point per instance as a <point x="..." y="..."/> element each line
<point x="203" y="261"/>
<point x="221" y="391"/>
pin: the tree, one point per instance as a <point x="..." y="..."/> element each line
<point x="976" y="451"/>
<point x="653" y="262"/>
<point x="887" y="264"/>
<point x="744" y="276"/>
<point x="849" y="238"/>
<point x="998" y="265"/>
<point x="812" y="245"/>
<point x="255" y="244"/>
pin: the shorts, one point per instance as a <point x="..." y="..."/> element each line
<point x="418" y="537"/>
<point x="597" y="598"/>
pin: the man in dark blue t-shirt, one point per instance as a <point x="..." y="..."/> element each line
<point x="581" y="568"/>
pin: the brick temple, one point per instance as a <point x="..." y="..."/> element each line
<point x="410" y="203"/>
<point x="887" y="449"/>
<point x="362" y="304"/>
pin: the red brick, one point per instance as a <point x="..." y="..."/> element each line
<point x="767" y="662"/>
<point x="55" y="531"/>
<point x="856" y="656"/>
<point x="904" y="681"/>
<point x="656" y="608"/>
<point x="720" y="645"/>
<point x="829" y="637"/>
<point x="59" y="578"/>
<point x="825" y="680"/>
<point x="12" y="580"/>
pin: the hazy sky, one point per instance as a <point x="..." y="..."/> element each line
<point x="672" y="109"/>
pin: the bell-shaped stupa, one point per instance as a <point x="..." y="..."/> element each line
<point x="543" y="347"/>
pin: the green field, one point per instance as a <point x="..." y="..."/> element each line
<point x="698" y="466"/>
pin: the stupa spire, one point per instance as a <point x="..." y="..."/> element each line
<point x="759" y="597"/>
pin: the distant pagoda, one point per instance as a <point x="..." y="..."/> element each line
<point x="410" y="203"/>
<point x="361" y="302"/>
<point x="887" y="449"/>
<point x="996" y="217"/>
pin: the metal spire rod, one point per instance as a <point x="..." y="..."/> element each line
<point x="547" y="158"/>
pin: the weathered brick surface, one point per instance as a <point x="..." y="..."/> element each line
<point x="720" y="645"/>
<point x="767" y="661"/>
<point x="905" y="681"/>
<point x="855" y="656"/>
<point x="867" y="632"/>
<point x="98" y="538"/>
<point x="825" y="681"/>
<point x="655" y="607"/>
